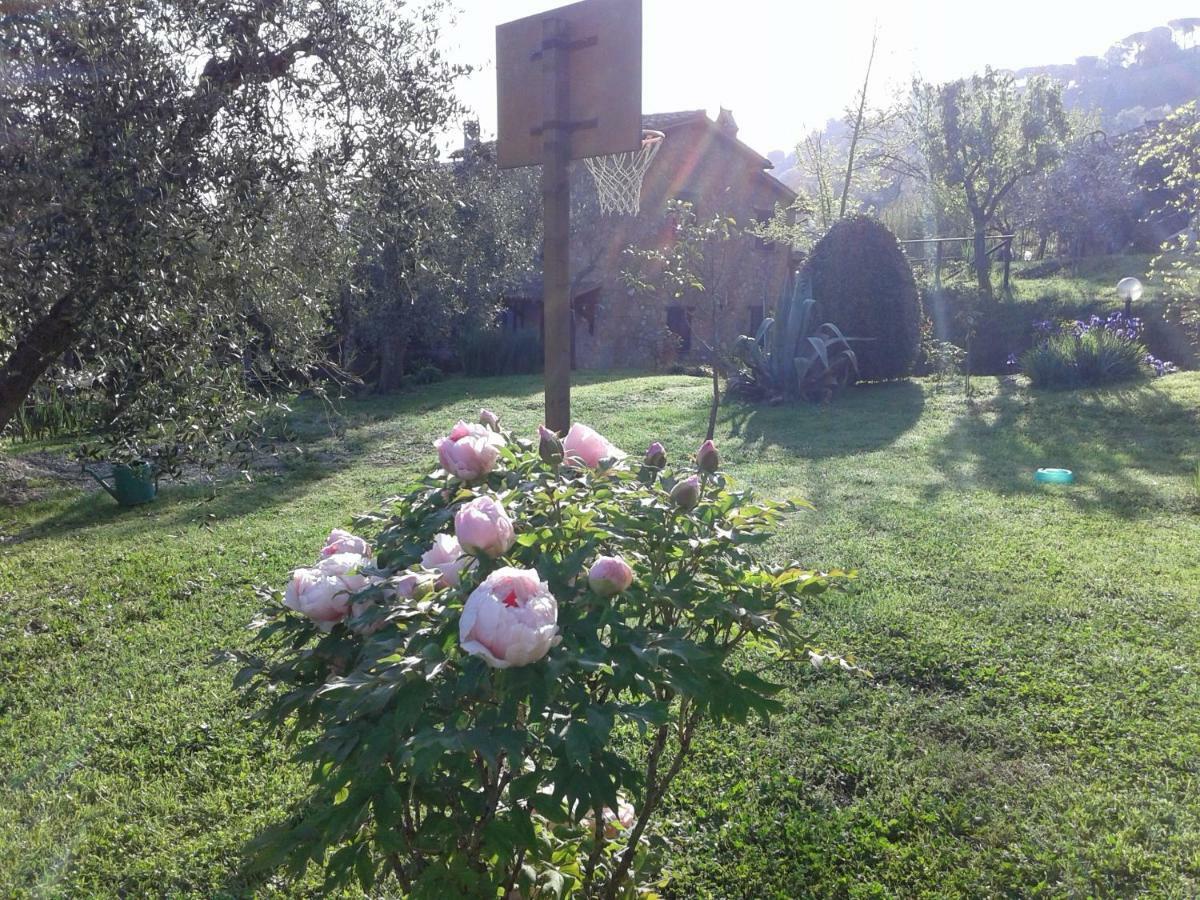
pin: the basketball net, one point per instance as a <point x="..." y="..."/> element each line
<point x="619" y="176"/>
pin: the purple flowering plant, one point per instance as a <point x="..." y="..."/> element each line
<point x="1079" y="339"/>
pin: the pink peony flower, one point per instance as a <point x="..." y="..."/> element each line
<point x="656" y="456"/>
<point x="447" y="558"/>
<point x="490" y="419"/>
<point x="323" y="593"/>
<point x="340" y="541"/>
<point x="583" y="445"/>
<point x="609" y="575"/>
<point x="470" y="451"/>
<point x="483" y="528"/>
<point x="707" y="457"/>
<point x="510" y="619"/>
<point x="346" y="566"/>
<point x="614" y="822"/>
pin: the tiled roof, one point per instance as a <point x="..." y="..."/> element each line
<point x="663" y="121"/>
<point x="668" y="120"/>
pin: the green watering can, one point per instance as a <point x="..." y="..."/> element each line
<point x="132" y="485"/>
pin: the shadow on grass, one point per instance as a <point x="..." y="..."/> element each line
<point x="454" y="391"/>
<point x="176" y="505"/>
<point x="373" y="427"/>
<point x="1116" y="440"/>
<point x="868" y="417"/>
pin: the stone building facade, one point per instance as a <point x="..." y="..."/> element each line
<point x="700" y="161"/>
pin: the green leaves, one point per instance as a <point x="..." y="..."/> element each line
<point x="468" y="778"/>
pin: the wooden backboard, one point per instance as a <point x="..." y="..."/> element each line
<point x="604" y="81"/>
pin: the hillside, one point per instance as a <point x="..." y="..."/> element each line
<point x="1140" y="78"/>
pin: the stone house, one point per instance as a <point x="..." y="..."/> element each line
<point x="703" y="162"/>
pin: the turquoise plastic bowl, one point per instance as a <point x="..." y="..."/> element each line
<point x="1054" y="476"/>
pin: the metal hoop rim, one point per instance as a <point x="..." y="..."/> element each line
<point x="651" y="136"/>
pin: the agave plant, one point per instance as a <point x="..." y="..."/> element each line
<point x="790" y="358"/>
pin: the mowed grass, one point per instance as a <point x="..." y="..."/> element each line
<point x="1032" y="726"/>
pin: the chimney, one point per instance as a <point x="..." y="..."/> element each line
<point x="726" y="123"/>
<point x="471" y="134"/>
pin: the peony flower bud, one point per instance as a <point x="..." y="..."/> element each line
<point x="489" y="418"/>
<point x="469" y="452"/>
<point x="583" y="446"/>
<point x="483" y="528"/>
<point x="510" y="619"/>
<point x="609" y="575"/>
<point x="656" y="456"/>
<point x="340" y="541"/>
<point x="447" y="558"/>
<point x="707" y="457"/>
<point x="550" y="448"/>
<point x="686" y="494"/>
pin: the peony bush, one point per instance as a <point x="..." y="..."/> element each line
<point x="496" y="692"/>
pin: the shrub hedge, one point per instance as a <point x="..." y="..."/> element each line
<point x="863" y="284"/>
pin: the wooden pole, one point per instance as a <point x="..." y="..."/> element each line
<point x="556" y="225"/>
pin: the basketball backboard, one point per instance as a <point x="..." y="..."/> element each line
<point x="604" y="75"/>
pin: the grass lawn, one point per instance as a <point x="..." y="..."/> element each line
<point x="1033" y="726"/>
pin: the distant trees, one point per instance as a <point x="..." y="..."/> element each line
<point x="1085" y="194"/>
<point x="1088" y="204"/>
<point x="983" y="136"/>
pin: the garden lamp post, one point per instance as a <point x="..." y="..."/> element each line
<point x="1129" y="290"/>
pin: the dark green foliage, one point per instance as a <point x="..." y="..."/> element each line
<point x="1050" y="290"/>
<point x="458" y="779"/>
<point x="427" y="375"/>
<point x="863" y="284"/>
<point x="1088" y="360"/>
<point x="496" y="351"/>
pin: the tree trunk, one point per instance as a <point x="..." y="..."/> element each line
<point x="858" y="121"/>
<point x="34" y="354"/>
<point x="716" y="402"/>
<point x="1007" y="250"/>
<point x="983" y="263"/>
<point x="392" y="351"/>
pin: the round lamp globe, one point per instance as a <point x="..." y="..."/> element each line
<point x="1129" y="289"/>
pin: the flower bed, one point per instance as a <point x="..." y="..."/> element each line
<point x="1088" y="352"/>
<point x="496" y="693"/>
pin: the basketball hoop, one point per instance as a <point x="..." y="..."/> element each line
<point x="619" y="175"/>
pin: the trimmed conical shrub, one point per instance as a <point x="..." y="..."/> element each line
<point x="863" y="284"/>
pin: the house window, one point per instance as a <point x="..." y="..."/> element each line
<point x="679" y="321"/>
<point x="756" y="318"/>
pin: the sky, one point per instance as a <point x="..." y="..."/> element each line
<point x="785" y="66"/>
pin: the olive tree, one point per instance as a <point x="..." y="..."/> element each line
<point x="177" y="179"/>
<point x="983" y="135"/>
